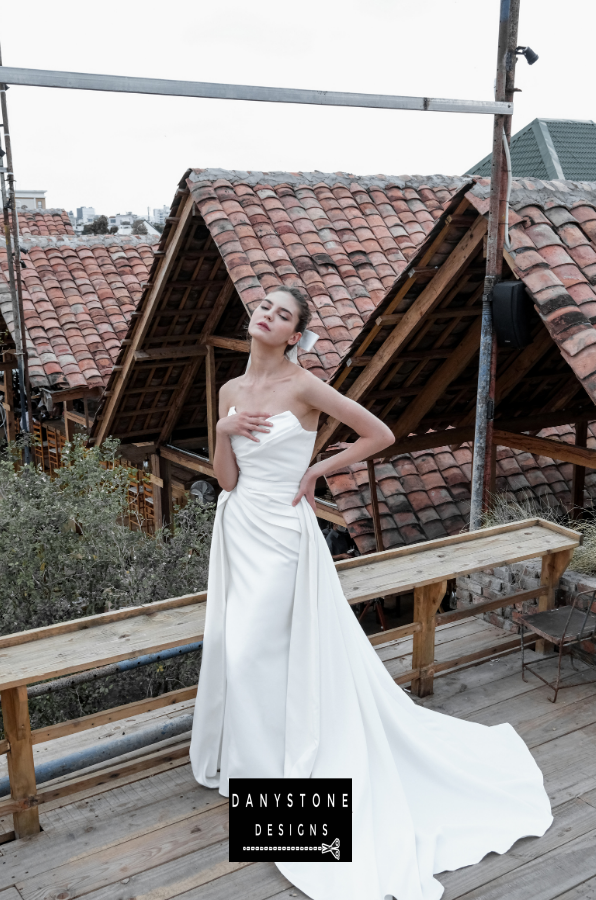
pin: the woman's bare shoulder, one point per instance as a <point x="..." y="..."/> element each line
<point x="310" y="387"/>
<point x="227" y="393"/>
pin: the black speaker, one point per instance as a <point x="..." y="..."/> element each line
<point x="512" y="314"/>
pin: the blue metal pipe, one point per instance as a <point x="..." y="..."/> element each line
<point x="74" y="762"/>
<point x="60" y="684"/>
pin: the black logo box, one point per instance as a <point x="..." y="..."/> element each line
<point x="298" y="819"/>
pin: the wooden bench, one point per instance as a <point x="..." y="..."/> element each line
<point x="58" y="650"/>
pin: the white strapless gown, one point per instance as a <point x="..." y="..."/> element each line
<point x="290" y="686"/>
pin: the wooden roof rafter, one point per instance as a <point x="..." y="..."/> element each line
<point x="429" y="298"/>
<point x="141" y="324"/>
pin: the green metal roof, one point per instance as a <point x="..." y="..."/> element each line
<point x="550" y="148"/>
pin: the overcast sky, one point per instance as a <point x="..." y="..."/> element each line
<point x="120" y="152"/>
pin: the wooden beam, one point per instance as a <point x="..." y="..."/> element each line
<point x="581" y="456"/>
<point x="155" y="469"/>
<point x="460" y="312"/>
<point x="426" y="602"/>
<point x="579" y="474"/>
<point x="191" y="369"/>
<point x="211" y="397"/>
<point x="75" y="394"/>
<point x="142" y="324"/>
<point x="553" y="566"/>
<point x="215" y="340"/>
<point x="374" y="503"/>
<point x="166" y="493"/>
<point x="186" y="459"/>
<point x="183" y="352"/>
<point x="435" y="386"/>
<point x="21" y="770"/>
<point x="424" y="303"/>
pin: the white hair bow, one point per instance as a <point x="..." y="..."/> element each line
<point x="307" y="342"/>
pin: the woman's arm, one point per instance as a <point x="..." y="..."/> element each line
<point x="374" y="435"/>
<point x="225" y="467"/>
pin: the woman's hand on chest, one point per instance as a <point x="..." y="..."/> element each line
<point x="244" y="423"/>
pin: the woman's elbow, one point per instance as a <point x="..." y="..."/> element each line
<point x="386" y="436"/>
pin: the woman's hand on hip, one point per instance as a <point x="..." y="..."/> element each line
<point x="244" y="424"/>
<point x="307" y="488"/>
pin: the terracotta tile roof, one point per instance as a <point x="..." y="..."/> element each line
<point x="553" y="241"/>
<point x="44" y="222"/>
<point x="343" y="238"/>
<point x="426" y="494"/>
<point x="78" y="296"/>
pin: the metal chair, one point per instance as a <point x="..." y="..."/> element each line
<point x="562" y="626"/>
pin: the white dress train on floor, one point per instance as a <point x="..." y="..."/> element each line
<point x="290" y="686"/>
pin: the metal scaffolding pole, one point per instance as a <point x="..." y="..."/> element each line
<point x="13" y="253"/>
<point x="485" y="400"/>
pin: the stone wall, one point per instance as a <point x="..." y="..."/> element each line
<point x="505" y="580"/>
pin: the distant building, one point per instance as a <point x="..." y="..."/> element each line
<point x="30" y="199"/>
<point x="121" y="219"/>
<point x="160" y="215"/>
<point x="85" y="214"/>
<point x="550" y="149"/>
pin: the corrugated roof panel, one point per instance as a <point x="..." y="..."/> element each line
<point x="575" y="143"/>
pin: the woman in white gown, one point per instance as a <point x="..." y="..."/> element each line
<point x="290" y="685"/>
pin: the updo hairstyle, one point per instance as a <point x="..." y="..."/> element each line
<point x="304" y="313"/>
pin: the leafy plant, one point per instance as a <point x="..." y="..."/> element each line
<point x="65" y="553"/>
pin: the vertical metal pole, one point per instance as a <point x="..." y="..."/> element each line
<point x="485" y="401"/>
<point x="14" y="264"/>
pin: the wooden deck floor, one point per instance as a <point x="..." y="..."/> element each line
<point x="164" y="836"/>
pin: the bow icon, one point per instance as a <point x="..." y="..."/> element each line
<point x="332" y="848"/>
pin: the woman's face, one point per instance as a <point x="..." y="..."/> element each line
<point x="275" y="319"/>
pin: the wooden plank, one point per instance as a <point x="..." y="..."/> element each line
<point x="562" y="780"/>
<point x="427" y="299"/>
<point x="211" y="398"/>
<point x="74" y="652"/>
<point x="573" y="539"/>
<point x="178" y="352"/>
<point x="142" y="767"/>
<point x="108" y="831"/>
<point x="579" y="473"/>
<point x="573" y="820"/>
<point x="142" y="324"/>
<point x="467" y="695"/>
<point x="460" y="357"/>
<point x="329" y="512"/>
<point x="377" y="575"/>
<point x="21" y="770"/>
<point x="115" y="714"/>
<point x="374" y="503"/>
<point x="426" y="602"/>
<point x="117" y="615"/>
<point x="476" y="609"/>
<point x="392" y="634"/>
<point x="553" y="566"/>
<point x="157" y="490"/>
<point x="226" y="343"/>
<point x="545" y="877"/>
<point x="580" y="456"/>
<point x="186" y="459"/>
<point x="206" y="869"/>
<point x="203" y="873"/>
<point x="140" y="854"/>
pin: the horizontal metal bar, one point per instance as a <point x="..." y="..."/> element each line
<point x="124" y="83"/>
<point x="125" y="665"/>
<point x="91" y="756"/>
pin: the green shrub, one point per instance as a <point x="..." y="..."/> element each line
<point x="63" y="555"/>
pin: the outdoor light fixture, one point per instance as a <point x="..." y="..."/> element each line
<point x="531" y="57"/>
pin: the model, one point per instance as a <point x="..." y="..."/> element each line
<point x="290" y="685"/>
